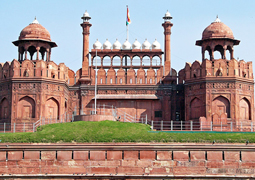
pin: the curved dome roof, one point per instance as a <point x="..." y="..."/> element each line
<point x="107" y="44"/>
<point x="217" y="29"/>
<point x="136" y="45"/>
<point x="35" y="31"/>
<point x="155" y="45"/>
<point x="126" y="45"/>
<point x="146" y="44"/>
<point x="97" y="45"/>
<point x="116" y="45"/>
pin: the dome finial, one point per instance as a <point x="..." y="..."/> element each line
<point x="217" y="20"/>
<point x="35" y="21"/>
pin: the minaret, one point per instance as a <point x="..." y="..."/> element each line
<point x="85" y="55"/>
<point x="167" y="32"/>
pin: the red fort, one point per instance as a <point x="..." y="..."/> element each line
<point x="133" y="78"/>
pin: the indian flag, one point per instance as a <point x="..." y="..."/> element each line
<point x="128" y="17"/>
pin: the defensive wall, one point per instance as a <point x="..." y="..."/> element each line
<point x="127" y="161"/>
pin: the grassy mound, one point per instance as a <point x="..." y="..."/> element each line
<point x="109" y="131"/>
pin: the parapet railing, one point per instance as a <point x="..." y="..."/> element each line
<point x="195" y="125"/>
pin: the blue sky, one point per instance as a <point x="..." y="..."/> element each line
<point x="62" y="19"/>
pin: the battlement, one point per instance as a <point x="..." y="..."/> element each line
<point x="36" y="69"/>
<point x="217" y="68"/>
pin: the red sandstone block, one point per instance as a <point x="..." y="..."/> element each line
<point x="3" y="170"/>
<point x="189" y="171"/>
<point x="114" y="155"/>
<point x="64" y="155"/>
<point x="190" y="164"/>
<point x="97" y="155"/>
<point x="181" y="155"/>
<point x="47" y="155"/>
<point x="128" y="155"/>
<point x="147" y="155"/>
<point x="231" y="164"/>
<point x="73" y="163"/>
<point x="214" y="164"/>
<point x="28" y="163"/>
<point x="164" y="155"/>
<point x="80" y="155"/>
<point x="128" y="163"/>
<point x="49" y="170"/>
<point x="71" y="170"/>
<point x="3" y="163"/>
<point x="48" y="162"/>
<point x="248" y="171"/>
<point x="105" y="163"/>
<point x="197" y="155"/>
<point x="164" y="163"/>
<point x="247" y="164"/>
<point x="130" y="170"/>
<point x="217" y="171"/>
<point x="160" y="170"/>
<point x="144" y="163"/>
<point x="12" y="163"/>
<point x="15" y="155"/>
<point x="34" y="170"/>
<point x="31" y="155"/>
<point x="2" y="155"/>
<point x="14" y="170"/>
<point x="248" y="156"/>
<point x="214" y="155"/>
<point x="102" y="170"/>
<point x="232" y="155"/>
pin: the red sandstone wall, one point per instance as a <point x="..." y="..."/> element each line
<point x="127" y="160"/>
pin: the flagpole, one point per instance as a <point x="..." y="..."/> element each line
<point x="96" y="85"/>
<point x="127" y="32"/>
<point x="127" y="23"/>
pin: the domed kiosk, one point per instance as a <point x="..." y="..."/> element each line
<point x="217" y="37"/>
<point x="34" y="38"/>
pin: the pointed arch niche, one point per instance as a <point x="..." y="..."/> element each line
<point x="221" y="105"/>
<point x="52" y="108"/>
<point x="244" y="109"/>
<point x="26" y="108"/>
<point x="4" y="105"/>
<point x="196" y="108"/>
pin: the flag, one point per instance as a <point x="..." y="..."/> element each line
<point x="128" y="18"/>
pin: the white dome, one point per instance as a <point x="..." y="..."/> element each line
<point x="155" y="45"/>
<point x="136" y="45"/>
<point x="146" y="44"/>
<point x="97" y="45"/>
<point x="167" y="14"/>
<point x="116" y="45"/>
<point x="107" y="44"/>
<point x="126" y="45"/>
<point x="86" y="14"/>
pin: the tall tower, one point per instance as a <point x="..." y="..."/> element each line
<point x="167" y="32"/>
<point x="85" y="56"/>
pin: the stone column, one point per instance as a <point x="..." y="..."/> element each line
<point x="85" y="57"/>
<point x="167" y="32"/>
<point x="37" y="53"/>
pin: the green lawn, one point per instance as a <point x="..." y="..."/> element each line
<point x="109" y="131"/>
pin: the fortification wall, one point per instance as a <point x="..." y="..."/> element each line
<point x="126" y="160"/>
